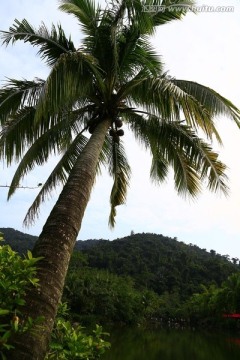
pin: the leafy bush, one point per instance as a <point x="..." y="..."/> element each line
<point x="98" y="295"/>
<point x="209" y="306"/>
<point x="68" y="342"/>
<point x="16" y="274"/>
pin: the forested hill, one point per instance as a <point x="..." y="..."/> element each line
<point x="18" y="240"/>
<point x="22" y="242"/>
<point x="161" y="263"/>
<point x="154" y="261"/>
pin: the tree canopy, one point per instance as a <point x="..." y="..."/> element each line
<point x="114" y="73"/>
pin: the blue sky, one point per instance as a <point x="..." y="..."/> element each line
<point x="205" y="48"/>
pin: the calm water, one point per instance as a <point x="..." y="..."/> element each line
<point x="137" y="344"/>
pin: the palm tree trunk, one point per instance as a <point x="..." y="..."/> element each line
<point x="55" y="245"/>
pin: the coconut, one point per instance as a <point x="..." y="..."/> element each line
<point x="120" y="132"/>
<point x="112" y="132"/>
<point x="118" y="123"/>
<point x="91" y="129"/>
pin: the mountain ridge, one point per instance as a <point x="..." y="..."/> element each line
<point x="20" y="241"/>
<point x="13" y="236"/>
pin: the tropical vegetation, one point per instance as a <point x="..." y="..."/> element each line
<point x="214" y="305"/>
<point x="68" y="341"/>
<point x="114" y="78"/>
<point x="146" y="278"/>
<point x="16" y="274"/>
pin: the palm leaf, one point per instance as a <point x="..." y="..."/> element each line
<point x="164" y="98"/>
<point x="58" y="176"/>
<point x="136" y="54"/>
<point x="17" y="94"/>
<point x="191" y="158"/>
<point x="20" y="131"/>
<point x="119" y="169"/>
<point x="169" y="10"/>
<point x="130" y="13"/>
<point x="71" y="80"/>
<point x="210" y="99"/>
<point x="51" y="43"/>
<point x="149" y="14"/>
<point x="175" y="144"/>
<point x="50" y="143"/>
<point x="17" y="133"/>
<point x="86" y="13"/>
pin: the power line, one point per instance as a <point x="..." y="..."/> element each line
<point x="23" y="187"/>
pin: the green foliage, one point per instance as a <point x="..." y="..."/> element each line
<point x="140" y="278"/>
<point x="98" y="294"/>
<point x="67" y="342"/>
<point x="144" y="277"/>
<point x="16" y="275"/>
<point x="18" y="240"/>
<point x="161" y="264"/>
<point x="70" y="342"/>
<point x="208" y="306"/>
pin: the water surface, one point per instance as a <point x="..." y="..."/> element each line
<point x="141" y="344"/>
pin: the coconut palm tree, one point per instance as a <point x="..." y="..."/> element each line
<point x="114" y="79"/>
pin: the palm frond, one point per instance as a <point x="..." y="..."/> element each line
<point x="215" y="103"/>
<point x="214" y="170"/>
<point x="86" y="13"/>
<point x="136" y="54"/>
<point x="100" y="45"/>
<point x="164" y="98"/>
<point x="166" y="11"/>
<point x="17" y="94"/>
<point x="58" y="176"/>
<point x="131" y="13"/>
<point x="17" y="133"/>
<point x="175" y="144"/>
<point x="21" y="132"/>
<point x="138" y="124"/>
<point x="120" y="170"/>
<point x="149" y="14"/>
<point x="126" y="89"/>
<point x="192" y="159"/>
<point x="52" y="142"/>
<point x="51" y="43"/>
<point x="71" y="79"/>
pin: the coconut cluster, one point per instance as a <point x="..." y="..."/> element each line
<point x="115" y="130"/>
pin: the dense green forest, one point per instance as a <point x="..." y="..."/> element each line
<point x="145" y="277"/>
